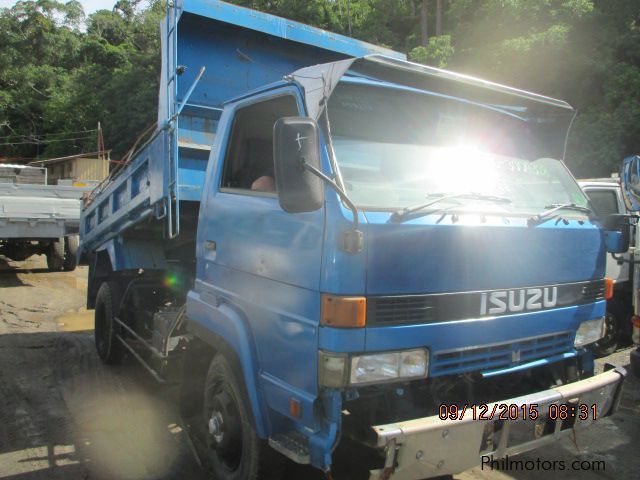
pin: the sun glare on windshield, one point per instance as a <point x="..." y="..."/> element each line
<point x="462" y="169"/>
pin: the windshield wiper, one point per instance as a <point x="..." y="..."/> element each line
<point x="403" y="212"/>
<point x="553" y="208"/>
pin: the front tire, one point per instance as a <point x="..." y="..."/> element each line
<point x="234" y="450"/>
<point x="109" y="348"/>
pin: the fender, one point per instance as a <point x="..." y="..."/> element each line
<point x="99" y="269"/>
<point x="130" y="254"/>
<point x="120" y="254"/>
<point x="221" y="327"/>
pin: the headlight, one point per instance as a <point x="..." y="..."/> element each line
<point x="339" y="369"/>
<point x="589" y="332"/>
<point x="388" y="367"/>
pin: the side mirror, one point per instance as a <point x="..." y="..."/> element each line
<point x="630" y="179"/>
<point x="617" y="232"/>
<point x="296" y="142"/>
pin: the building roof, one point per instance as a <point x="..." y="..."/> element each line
<point x="50" y="161"/>
<point x="14" y="165"/>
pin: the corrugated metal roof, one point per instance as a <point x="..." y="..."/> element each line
<point x="49" y="161"/>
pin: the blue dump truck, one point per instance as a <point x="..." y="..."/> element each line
<point x="342" y="254"/>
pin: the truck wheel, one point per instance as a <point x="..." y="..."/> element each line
<point x="55" y="255"/>
<point x="70" y="251"/>
<point x="609" y="343"/>
<point x="234" y="450"/>
<point x="108" y="346"/>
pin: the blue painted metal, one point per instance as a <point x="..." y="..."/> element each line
<point x="274" y="282"/>
<point x="131" y="254"/>
<point x="474" y="253"/>
<point x="529" y="365"/>
<point x="282" y="28"/>
<point x="322" y="445"/>
<point x="127" y="200"/>
<point x="587" y="360"/>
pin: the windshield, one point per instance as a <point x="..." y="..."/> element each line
<point x="396" y="149"/>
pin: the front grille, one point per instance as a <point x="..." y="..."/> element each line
<point x="499" y="356"/>
<point x="445" y="307"/>
<point x="401" y="310"/>
<point x="593" y="291"/>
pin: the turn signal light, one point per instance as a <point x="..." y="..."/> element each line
<point x="343" y="312"/>
<point x="608" y="288"/>
<point x="295" y="408"/>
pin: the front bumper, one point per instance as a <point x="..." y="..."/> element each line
<point x="428" y="447"/>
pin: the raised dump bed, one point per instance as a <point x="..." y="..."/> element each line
<point x="212" y="52"/>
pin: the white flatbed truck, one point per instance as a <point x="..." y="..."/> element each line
<point x="39" y="219"/>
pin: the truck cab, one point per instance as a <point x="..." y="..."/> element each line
<point x="336" y="251"/>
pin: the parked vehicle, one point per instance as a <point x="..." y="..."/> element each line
<point x="630" y="177"/>
<point x="38" y="219"/>
<point x="605" y="195"/>
<point x="336" y="249"/>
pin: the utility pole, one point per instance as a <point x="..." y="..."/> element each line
<point x="424" y="30"/>
<point x="349" y="15"/>
<point x="100" y="142"/>
<point x="438" y="17"/>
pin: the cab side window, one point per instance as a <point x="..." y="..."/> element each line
<point x="248" y="163"/>
<point x="604" y="202"/>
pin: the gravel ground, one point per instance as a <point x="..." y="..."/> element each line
<point x="65" y="416"/>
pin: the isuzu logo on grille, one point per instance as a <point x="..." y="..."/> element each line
<point x="522" y="300"/>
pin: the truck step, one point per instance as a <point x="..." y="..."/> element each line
<point x="292" y="445"/>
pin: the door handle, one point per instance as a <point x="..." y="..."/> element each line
<point x="210" y="245"/>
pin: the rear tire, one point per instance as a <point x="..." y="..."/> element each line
<point x="109" y="348"/>
<point x="70" y="250"/>
<point x="234" y="450"/>
<point x="55" y="255"/>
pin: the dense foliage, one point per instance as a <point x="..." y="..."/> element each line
<point x="61" y="73"/>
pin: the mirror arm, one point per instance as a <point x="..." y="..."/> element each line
<point x="620" y="260"/>
<point x="353" y="240"/>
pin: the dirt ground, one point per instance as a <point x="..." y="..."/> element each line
<point x="63" y="415"/>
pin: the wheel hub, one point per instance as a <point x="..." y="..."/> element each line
<point x="216" y="423"/>
<point x="225" y="433"/>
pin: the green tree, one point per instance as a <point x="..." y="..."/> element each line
<point x="437" y="53"/>
<point x="62" y="72"/>
<point x="58" y="81"/>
